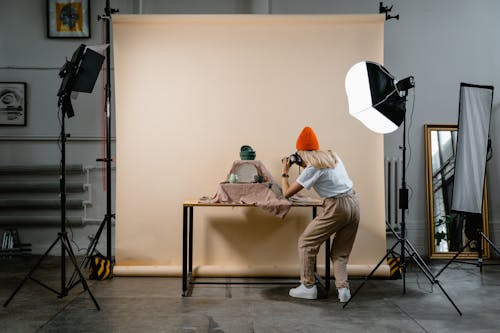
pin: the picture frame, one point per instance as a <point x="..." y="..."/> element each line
<point x="68" y="18"/>
<point x="13" y="103"/>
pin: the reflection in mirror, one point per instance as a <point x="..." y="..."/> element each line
<point x="448" y="231"/>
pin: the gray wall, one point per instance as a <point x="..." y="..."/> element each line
<point x="443" y="43"/>
<point x="440" y="42"/>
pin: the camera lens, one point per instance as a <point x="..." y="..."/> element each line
<point x="295" y="159"/>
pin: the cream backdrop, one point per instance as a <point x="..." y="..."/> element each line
<point x="191" y="90"/>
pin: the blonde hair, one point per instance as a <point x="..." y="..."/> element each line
<point x="319" y="159"/>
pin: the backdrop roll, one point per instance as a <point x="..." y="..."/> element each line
<point x="191" y="90"/>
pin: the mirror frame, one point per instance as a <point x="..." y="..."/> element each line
<point x="430" y="203"/>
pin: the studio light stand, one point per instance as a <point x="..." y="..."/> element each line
<point x="108" y="159"/>
<point x="107" y="220"/>
<point x="386" y="10"/>
<point x="69" y="82"/>
<point x="406" y="246"/>
<point x="385" y="101"/>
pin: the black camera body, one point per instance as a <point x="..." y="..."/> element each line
<point x="295" y="159"/>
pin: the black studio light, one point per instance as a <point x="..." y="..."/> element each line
<point x="378" y="100"/>
<point x="78" y="75"/>
<point x="375" y="97"/>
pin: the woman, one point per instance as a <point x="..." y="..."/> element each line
<point x="326" y="174"/>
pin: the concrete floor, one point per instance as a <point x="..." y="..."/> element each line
<point x="142" y="304"/>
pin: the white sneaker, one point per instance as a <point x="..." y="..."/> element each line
<point x="303" y="292"/>
<point x="344" y="295"/>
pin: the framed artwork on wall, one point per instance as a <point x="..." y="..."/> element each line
<point x="13" y="103"/>
<point x="68" y="18"/>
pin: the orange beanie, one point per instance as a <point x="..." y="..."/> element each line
<point x="307" y="140"/>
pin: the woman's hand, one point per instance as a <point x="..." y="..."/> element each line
<point x="288" y="190"/>
<point x="285" y="165"/>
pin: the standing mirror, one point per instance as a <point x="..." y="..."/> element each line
<point x="448" y="231"/>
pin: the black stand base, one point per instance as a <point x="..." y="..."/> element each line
<point x="413" y="255"/>
<point x="479" y="263"/>
<point x="90" y="251"/>
<point x="65" y="244"/>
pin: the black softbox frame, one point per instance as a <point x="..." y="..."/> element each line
<point x="384" y="93"/>
<point x="79" y="75"/>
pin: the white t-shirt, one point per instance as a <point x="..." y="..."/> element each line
<point x="328" y="182"/>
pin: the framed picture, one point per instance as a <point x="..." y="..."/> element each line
<point x="68" y="18"/>
<point x="13" y="103"/>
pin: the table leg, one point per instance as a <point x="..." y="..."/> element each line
<point x="184" y="251"/>
<point x="327" y="264"/>
<point x="191" y="240"/>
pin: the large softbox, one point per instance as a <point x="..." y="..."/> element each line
<point x="474" y="115"/>
<point x="374" y="97"/>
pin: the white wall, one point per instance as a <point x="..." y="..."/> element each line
<point x="441" y="43"/>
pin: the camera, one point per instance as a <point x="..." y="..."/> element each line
<point x="295" y="158"/>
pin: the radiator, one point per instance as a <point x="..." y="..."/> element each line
<point x="393" y="172"/>
<point x="29" y="195"/>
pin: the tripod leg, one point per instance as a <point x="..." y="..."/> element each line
<point x="448" y="297"/>
<point x="490" y="242"/>
<point x="403" y="263"/>
<point x="427" y="272"/>
<point x="28" y="276"/>
<point x="71" y="255"/>
<point x="479" y="251"/>
<point x="371" y="274"/>
<point x="95" y="240"/>
<point x="93" y="244"/>
<point x="420" y="261"/>
<point x="452" y="259"/>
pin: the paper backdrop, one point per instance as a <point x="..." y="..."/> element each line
<point x="191" y="90"/>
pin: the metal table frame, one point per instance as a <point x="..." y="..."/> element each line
<point x="187" y="247"/>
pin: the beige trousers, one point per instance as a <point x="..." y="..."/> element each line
<point x="340" y="216"/>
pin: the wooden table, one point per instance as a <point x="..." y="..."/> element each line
<point x="187" y="245"/>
